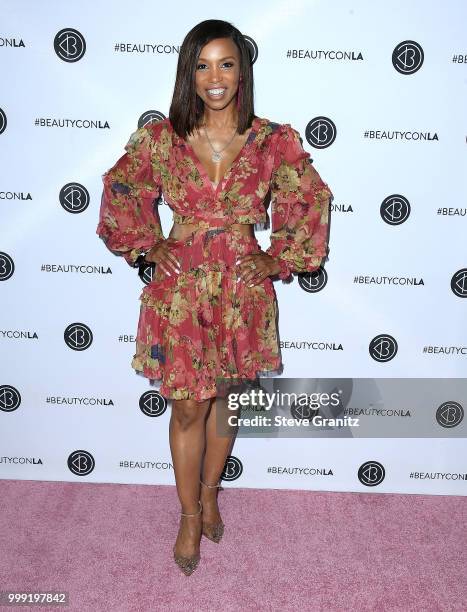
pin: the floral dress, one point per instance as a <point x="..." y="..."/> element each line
<point x="201" y="326"/>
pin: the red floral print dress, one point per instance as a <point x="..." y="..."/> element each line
<point x="201" y="325"/>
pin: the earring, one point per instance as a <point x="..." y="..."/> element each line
<point x="239" y="92"/>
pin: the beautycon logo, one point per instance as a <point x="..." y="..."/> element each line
<point x="74" y="198"/>
<point x="383" y="348"/>
<point x="371" y="473"/>
<point x="152" y="404"/>
<point x="69" y="45"/>
<point x="407" y="57"/>
<point x="312" y="282"/>
<point x="78" y="336"/>
<point x="81" y="463"/>
<point x="395" y="209"/>
<point x="233" y="469"/>
<point x="450" y="414"/>
<point x="320" y="132"/>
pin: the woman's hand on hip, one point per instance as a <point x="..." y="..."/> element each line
<point x="162" y="256"/>
<point x="255" y="267"/>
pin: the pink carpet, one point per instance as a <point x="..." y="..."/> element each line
<point x="110" y="547"/>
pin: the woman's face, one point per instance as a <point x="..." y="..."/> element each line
<point x="218" y="68"/>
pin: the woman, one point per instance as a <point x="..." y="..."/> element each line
<point x="210" y="311"/>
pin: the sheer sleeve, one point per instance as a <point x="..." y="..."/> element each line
<point x="300" y="203"/>
<point x="129" y="220"/>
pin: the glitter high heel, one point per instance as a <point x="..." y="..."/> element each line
<point x="213" y="531"/>
<point x="188" y="564"/>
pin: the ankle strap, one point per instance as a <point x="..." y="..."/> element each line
<point x="218" y="485"/>
<point x="196" y="513"/>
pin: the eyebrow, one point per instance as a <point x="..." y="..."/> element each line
<point x="222" y="58"/>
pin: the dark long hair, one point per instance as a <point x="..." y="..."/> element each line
<point x="186" y="108"/>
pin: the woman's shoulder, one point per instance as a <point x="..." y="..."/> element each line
<point x="264" y="123"/>
<point x="157" y="126"/>
<point x="154" y="133"/>
<point x="148" y="132"/>
<point x="279" y="136"/>
<point x="280" y="130"/>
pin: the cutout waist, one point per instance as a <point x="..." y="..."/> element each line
<point x="186" y="226"/>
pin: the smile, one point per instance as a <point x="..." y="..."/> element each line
<point x="216" y="93"/>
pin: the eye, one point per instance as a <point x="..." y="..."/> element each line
<point x="228" y="64"/>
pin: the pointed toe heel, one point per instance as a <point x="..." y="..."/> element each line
<point x="187" y="564"/>
<point x="213" y="531"/>
<point x="190" y="563"/>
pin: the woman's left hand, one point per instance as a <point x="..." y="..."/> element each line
<point x="252" y="269"/>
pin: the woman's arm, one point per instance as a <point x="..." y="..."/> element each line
<point x="300" y="202"/>
<point x="129" y="221"/>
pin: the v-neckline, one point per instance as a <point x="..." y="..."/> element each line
<point x="202" y="170"/>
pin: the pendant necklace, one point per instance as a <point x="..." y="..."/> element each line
<point x="217" y="155"/>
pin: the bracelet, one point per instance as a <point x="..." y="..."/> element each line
<point x="141" y="257"/>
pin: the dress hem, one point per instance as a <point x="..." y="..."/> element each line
<point x="203" y="394"/>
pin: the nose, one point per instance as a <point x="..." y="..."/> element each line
<point x="215" y="75"/>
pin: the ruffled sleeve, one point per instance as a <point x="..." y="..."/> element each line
<point x="300" y="204"/>
<point x="129" y="220"/>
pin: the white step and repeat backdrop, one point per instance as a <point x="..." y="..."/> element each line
<point x="378" y="92"/>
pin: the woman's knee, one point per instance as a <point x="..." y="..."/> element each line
<point x="187" y="413"/>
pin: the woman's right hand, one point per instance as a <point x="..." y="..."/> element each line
<point x="162" y="256"/>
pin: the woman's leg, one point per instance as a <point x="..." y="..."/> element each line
<point x="187" y="441"/>
<point x="218" y="447"/>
